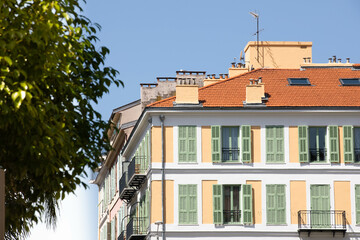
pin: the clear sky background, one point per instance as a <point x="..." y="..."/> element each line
<point x="155" y="38"/>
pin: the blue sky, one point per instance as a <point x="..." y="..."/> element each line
<point x="155" y="38"/>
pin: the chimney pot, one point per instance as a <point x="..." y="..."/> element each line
<point x="226" y="76"/>
<point x="213" y="76"/>
<point x="221" y="76"/>
<point x="304" y="60"/>
<point x="260" y="79"/>
<point x="334" y="59"/>
<point x="330" y="60"/>
<point x="347" y="60"/>
<point x="233" y="64"/>
<point x="239" y="65"/>
<point x="339" y="60"/>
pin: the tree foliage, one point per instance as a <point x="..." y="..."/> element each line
<point x="51" y="73"/>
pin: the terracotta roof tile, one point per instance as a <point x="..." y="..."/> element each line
<point x="325" y="89"/>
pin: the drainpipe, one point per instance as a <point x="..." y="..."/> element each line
<point x="162" y="118"/>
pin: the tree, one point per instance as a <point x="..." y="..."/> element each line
<point x="51" y="73"/>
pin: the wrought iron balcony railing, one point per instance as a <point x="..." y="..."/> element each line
<point x="137" y="228"/>
<point x="357" y="154"/>
<point x="317" y="154"/>
<point x="232" y="216"/>
<point x="322" y="220"/>
<point x="137" y="168"/>
<point x="230" y="154"/>
<point x="125" y="191"/>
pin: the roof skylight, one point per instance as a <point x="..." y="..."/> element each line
<point x="299" y="81"/>
<point x="350" y="81"/>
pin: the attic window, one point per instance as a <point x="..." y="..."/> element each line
<point x="350" y="81"/>
<point x="298" y="81"/>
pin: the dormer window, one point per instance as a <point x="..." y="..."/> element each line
<point x="299" y="82"/>
<point x="350" y="81"/>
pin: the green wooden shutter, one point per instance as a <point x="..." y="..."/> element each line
<point x="216" y="144"/>
<point x="303" y="144"/>
<point x="246" y="143"/>
<point x="192" y="203"/>
<point x="357" y="203"/>
<point x="270" y="204"/>
<point x="247" y="204"/>
<point x="334" y="143"/>
<point x="183" y="204"/>
<point x="279" y="142"/>
<point x="191" y="142"/>
<point x="348" y="144"/>
<point x="270" y="144"/>
<point x="280" y="204"/>
<point x="182" y="144"/>
<point x="218" y="204"/>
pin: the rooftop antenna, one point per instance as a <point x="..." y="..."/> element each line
<point x="255" y="15"/>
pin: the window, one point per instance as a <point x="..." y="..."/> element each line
<point x="225" y="145"/>
<point x="187" y="144"/>
<point x="351" y="144"/>
<point x="113" y="222"/>
<point x="357" y="203"/>
<point x="274" y="144"/>
<point x="232" y="204"/>
<point x="275" y="204"/>
<point x="144" y="207"/>
<point x="298" y="81"/>
<point x="350" y="81"/>
<point x="142" y="154"/>
<point x="320" y="206"/>
<point x="188" y="204"/>
<point x="312" y="143"/>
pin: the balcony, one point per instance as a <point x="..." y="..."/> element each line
<point x="136" y="229"/>
<point x="230" y="154"/>
<point x="317" y="154"/>
<point x="357" y="155"/>
<point x="322" y="221"/>
<point x="137" y="168"/>
<point x="122" y="236"/>
<point x="126" y="192"/>
<point x="232" y="216"/>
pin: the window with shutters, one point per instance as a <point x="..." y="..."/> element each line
<point x="187" y="144"/>
<point x="232" y="204"/>
<point x="275" y="204"/>
<point x="226" y="142"/>
<point x="274" y="144"/>
<point x="188" y="204"/>
<point x="357" y="203"/>
<point x="317" y="143"/>
<point x="351" y="136"/>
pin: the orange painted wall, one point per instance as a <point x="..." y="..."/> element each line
<point x="207" y="201"/>
<point x="256" y="187"/>
<point x="255" y="144"/>
<point x="294" y="144"/>
<point x="206" y="144"/>
<point x="342" y="198"/>
<point x="297" y="199"/>
<point x="156" y="213"/>
<point x="156" y="144"/>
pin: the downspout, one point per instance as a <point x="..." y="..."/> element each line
<point x="162" y="118"/>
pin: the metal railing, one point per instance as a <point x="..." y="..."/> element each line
<point x="137" y="226"/>
<point x="137" y="166"/>
<point x="123" y="183"/>
<point x="317" y="154"/>
<point x="356" y="154"/>
<point x="230" y="154"/>
<point x="232" y="216"/>
<point x="321" y="219"/>
<point x="122" y="236"/>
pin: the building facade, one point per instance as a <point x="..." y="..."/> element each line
<point x="271" y="153"/>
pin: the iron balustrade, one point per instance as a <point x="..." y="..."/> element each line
<point x="137" y="226"/>
<point x="137" y="168"/>
<point x="230" y="154"/>
<point x="122" y="236"/>
<point x="232" y="216"/>
<point x="317" y="154"/>
<point x="321" y="220"/>
<point x="123" y="182"/>
<point x="357" y="154"/>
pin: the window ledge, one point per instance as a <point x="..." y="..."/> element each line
<point x="278" y="163"/>
<point x="281" y="224"/>
<point x="190" y="224"/>
<point x="192" y="163"/>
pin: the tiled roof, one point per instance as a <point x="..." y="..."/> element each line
<point x="325" y="89"/>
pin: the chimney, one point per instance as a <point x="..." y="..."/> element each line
<point x="187" y="92"/>
<point x="255" y="91"/>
